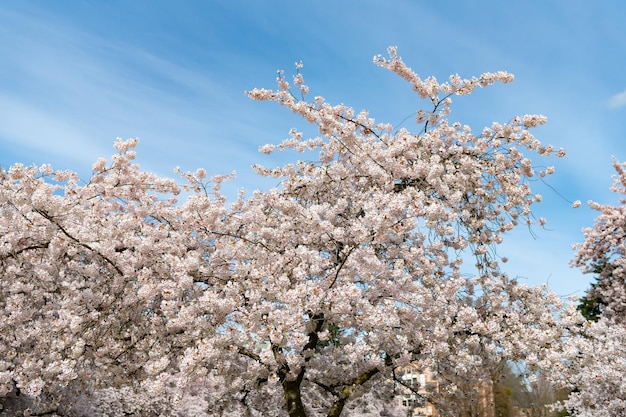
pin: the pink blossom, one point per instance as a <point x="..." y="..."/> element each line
<point x="311" y="294"/>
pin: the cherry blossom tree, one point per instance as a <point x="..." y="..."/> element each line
<point x="90" y="275"/>
<point x="604" y="253"/>
<point x="302" y="300"/>
<point x="597" y="359"/>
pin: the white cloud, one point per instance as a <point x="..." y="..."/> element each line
<point x="618" y="100"/>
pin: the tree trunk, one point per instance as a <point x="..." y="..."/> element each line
<point x="293" y="397"/>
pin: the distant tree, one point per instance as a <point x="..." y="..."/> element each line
<point x="592" y="304"/>
<point x="503" y="406"/>
<point x="507" y="390"/>
<point x="536" y="395"/>
<point x="297" y="301"/>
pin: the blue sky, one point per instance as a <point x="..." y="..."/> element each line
<point x="74" y="75"/>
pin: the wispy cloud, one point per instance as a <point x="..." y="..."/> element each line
<point x="618" y="100"/>
<point x="67" y="94"/>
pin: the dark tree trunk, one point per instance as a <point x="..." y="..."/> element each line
<point x="293" y="397"/>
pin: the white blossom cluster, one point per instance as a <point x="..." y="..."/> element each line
<point x="604" y="250"/>
<point x="596" y="362"/>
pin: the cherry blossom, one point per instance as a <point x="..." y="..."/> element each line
<point x="302" y="300"/>
<point x="603" y="251"/>
<point x="596" y="362"/>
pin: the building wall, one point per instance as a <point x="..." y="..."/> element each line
<point x="424" y="382"/>
<point x="477" y="399"/>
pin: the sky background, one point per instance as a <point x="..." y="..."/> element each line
<point x="74" y="75"/>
